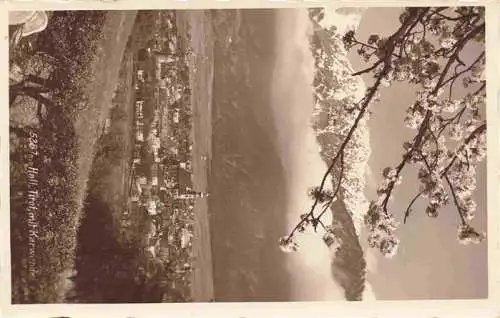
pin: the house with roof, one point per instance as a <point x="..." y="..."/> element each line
<point x="154" y="249"/>
<point x="155" y="143"/>
<point x="155" y="146"/>
<point x="164" y="252"/>
<point x="176" y="116"/>
<point x="142" y="180"/>
<point x="186" y="165"/>
<point x="190" y="195"/>
<point x="139" y="109"/>
<point x="151" y="207"/>
<point x="139" y="136"/>
<point x="152" y="230"/>
<point x="186" y="237"/>
<point x="151" y="250"/>
<point x="164" y="83"/>
<point x="140" y="75"/>
<point x="154" y="181"/>
<point x="107" y="125"/>
<point x="172" y="45"/>
<point x="173" y="150"/>
<point x="163" y="60"/>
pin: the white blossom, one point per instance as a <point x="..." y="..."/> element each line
<point x="389" y="173"/>
<point x="389" y="246"/>
<point x="477" y="72"/>
<point x="428" y="84"/>
<point x="468" y="235"/>
<point x="385" y="82"/>
<point x="451" y="106"/>
<point x="288" y="245"/>
<point x="432" y="210"/>
<point x="447" y="42"/>
<point x="456" y="131"/>
<point x="468" y="207"/>
<point x="414" y="118"/>
<point x="381" y="226"/>
<point x="329" y="239"/>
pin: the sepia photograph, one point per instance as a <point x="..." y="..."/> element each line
<point x="247" y="155"/>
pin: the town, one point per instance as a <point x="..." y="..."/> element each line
<point x="160" y="186"/>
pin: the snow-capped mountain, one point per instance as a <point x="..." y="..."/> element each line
<point x="336" y="93"/>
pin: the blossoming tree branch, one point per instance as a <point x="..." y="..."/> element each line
<point x="426" y="51"/>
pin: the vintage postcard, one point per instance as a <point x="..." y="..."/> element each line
<point x="279" y="155"/>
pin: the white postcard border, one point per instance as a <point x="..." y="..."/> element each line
<point x="446" y="308"/>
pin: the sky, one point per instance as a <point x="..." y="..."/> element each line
<point x="430" y="264"/>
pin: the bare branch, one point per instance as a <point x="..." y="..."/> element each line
<point x="368" y="69"/>
<point x="480" y="129"/>
<point x="452" y="78"/>
<point x="436" y="143"/>
<point x="417" y="141"/>
<point x="408" y="209"/>
<point x="455" y="199"/>
<point x="339" y="183"/>
<point x="458" y="48"/>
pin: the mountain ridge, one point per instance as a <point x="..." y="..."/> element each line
<point x="334" y="92"/>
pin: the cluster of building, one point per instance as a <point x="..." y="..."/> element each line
<point x="160" y="187"/>
<point x="160" y="182"/>
<point x="168" y="163"/>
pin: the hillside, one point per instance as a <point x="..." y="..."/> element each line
<point x="52" y="148"/>
<point x="133" y="243"/>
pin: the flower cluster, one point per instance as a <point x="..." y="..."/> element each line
<point x="433" y="189"/>
<point x="420" y="63"/>
<point x="456" y="131"/>
<point x="305" y="221"/>
<point x="381" y="226"/>
<point x="451" y="105"/>
<point x="288" y="244"/>
<point x="450" y="132"/>
<point x="321" y="195"/>
<point x="331" y="240"/>
<point x="391" y="179"/>
<point x="447" y="40"/>
<point x="478" y="72"/>
<point x="467" y="235"/>
<point x="348" y="39"/>
<point x="415" y="115"/>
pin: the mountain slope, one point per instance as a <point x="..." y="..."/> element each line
<point x="335" y="95"/>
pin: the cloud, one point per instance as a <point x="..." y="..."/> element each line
<point x="344" y="19"/>
<point x="292" y="98"/>
<point x="368" y="294"/>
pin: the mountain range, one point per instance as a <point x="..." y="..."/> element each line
<point x="336" y="94"/>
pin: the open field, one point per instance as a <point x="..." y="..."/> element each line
<point x="102" y="85"/>
<point x="201" y="75"/>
